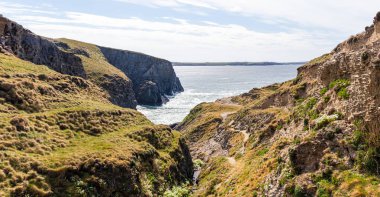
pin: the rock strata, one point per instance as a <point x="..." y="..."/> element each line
<point x="142" y="79"/>
<point x="28" y="46"/>
<point x="153" y="79"/>
<point x="316" y="135"/>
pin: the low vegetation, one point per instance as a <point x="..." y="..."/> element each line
<point x="60" y="134"/>
<point x="291" y="139"/>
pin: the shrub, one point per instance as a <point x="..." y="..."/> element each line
<point x="324" y="188"/>
<point x="297" y="140"/>
<point x="325" y="120"/>
<point x="339" y="83"/>
<point x="279" y="127"/>
<point x="310" y="104"/>
<point x="323" y="91"/>
<point x="305" y="110"/>
<point x="198" y="163"/>
<point x="178" y="191"/>
<point x="313" y="114"/>
<point x="326" y="99"/>
<point x="299" y="192"/>
<point x="343" y="94"/>
<point x="368" y="160"/>
<point x="368" y="154"/>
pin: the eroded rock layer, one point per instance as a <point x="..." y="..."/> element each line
<point x="316" y="135"/>
<point x="153" y="78"/>
<point x="128" y="77"/>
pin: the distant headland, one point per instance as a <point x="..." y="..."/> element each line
<point x="234" y="63"/>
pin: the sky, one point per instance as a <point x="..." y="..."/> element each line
<point x="200" y="30"/>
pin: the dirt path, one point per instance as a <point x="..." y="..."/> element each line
<point x="224" y="116"/>
<point x="231" y="160"/>
<point x="246" y="135"/>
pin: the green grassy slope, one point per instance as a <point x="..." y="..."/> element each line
<point x="60" y="135"/>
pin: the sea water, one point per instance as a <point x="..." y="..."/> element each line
<point x="208" y="83"/>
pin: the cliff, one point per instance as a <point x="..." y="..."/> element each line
<point x="128" y="77"/>
<point x="60" y="135"/>
<point x="39" y="50"/>
<point x="316" y="135"/>
<point x="153" y="79"/>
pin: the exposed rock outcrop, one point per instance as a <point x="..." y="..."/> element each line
<point x="153" y="78"/>
<point x="39" y="50"/>
<point x="316" y="135"/>
<point x="136" y="77"/>
<point x="119" y="89"/>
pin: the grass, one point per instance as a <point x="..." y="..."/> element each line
<point x="320" y="59"/>
<point x="355" y="184"/>
<point x="96" y="65"/>
<point x="178" y="191"/>
<point x="343" y="94"/>
<point x="205" y="118"/>
<point x="347" y="183"/>
<point x="367" y="145"/>
<point x="74" y="126"/>
<point x="339" y="84"/>
<point x="12" y="65"/>
<point x="198" y="164"/>
<point x="82" y="146"/>
<point x="262" y="152"/>
<point x="305" y="110"/>
<point x="323" y="91"/>
<point x="324" y="120"/>
<point x="215" y="173"/>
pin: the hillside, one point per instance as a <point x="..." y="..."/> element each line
<point x="63" y="128"/>
<point x="60" y="135"/>
<point x="316" y="135"/>
<point x="128" y="77"/>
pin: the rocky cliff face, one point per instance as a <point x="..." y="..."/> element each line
<point x="39" y="50"/>
<point x="317" y="135"/>
<point x="135" y="78"/>
<point x="153" y="78"/>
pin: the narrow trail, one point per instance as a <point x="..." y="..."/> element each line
<point x="224" y="116"/>
<point x="231" y="160"/>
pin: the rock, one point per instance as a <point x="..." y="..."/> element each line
<point x="174" y="125"/>
<point x="28" y="46"/>
<point x="152" y="78"/>
<point x="306" y="157"/>
<point x="148" y="93"/>
<point x="120" y="90"/>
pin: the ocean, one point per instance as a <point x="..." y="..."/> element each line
<point x="208" y="83"/>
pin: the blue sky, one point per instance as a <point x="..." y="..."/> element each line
<point x="200" y="30"/>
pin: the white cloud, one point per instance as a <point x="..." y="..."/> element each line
<point x="16" y="8"/>
<point x="340" y="15"/>
<point x="181" y="40"/>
